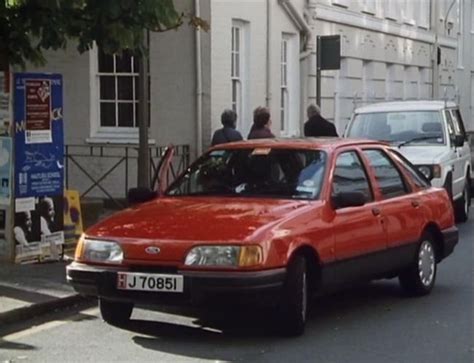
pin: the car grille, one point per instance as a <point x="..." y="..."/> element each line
<point x="157" y="269"/>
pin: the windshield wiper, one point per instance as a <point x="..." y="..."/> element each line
<point x="420" y="138"/>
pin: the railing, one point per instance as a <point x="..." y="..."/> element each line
<point x="109" y="171"/>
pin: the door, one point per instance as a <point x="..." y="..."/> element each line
<point x="399" y="206"/>
<point x="454" y="159"/>
<point x="463" y="154"/>
<point x="163" y="177"/>
<point x="358" y="231"/>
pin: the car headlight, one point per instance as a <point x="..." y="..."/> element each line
<point x="430" y="171"/>
<point x="95" y="250"/>
<point x="224" y="256"/>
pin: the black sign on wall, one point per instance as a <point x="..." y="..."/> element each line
<point x="328" y="49"/>
<point x="330" y="52"/>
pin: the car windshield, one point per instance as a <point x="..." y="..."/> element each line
<point x="411" y="127"/>
<point x="254" y="172"/>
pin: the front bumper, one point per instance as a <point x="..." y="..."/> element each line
<point x="450" y="239"/>
<point x="199" y="286"/>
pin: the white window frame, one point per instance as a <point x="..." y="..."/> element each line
<point x="238" y="72"/>
<point x="369" y="6"/>
<point x="284" y="91"/>
<point x="390" y="10"/>
<point x="423" y="14"/>
<point x="100" y="133"/>
<point x="289" y="123"/>
<point x="409" y="12"/>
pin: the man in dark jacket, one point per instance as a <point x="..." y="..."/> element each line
<point x="261" y="124"/>
<point x="318" y="125"/>
<point x="228" y="133"/>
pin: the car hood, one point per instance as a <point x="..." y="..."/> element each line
<point x="423" y="154"/>
<point x="181" y="222"/>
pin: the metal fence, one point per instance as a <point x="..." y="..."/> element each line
<point x="108" y="171"/>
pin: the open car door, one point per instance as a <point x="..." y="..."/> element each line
<point x="163" y="176"/>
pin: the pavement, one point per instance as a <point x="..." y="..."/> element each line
<point x="29" y="290"/>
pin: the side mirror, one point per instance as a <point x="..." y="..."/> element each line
<point x="458" y="140"/>
<point x="140" y="195"/>
<point x="348" y="199"/>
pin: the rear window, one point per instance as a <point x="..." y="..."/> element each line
<point x="417" y="127"/>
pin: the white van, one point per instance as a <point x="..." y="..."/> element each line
<point x="430" y="134"/>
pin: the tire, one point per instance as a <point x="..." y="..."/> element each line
<point x="419" y="278"/>
<point x="294" y="302"/>
<point x="462" y="205"/>
<point x="115" y="313"/>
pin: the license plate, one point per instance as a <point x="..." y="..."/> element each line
<point x="149" y="282"/>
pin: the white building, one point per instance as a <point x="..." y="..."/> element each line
<point x="263" y="52"/>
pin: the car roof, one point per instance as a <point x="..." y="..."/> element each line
<point x="406" y="106"/>
<point x="326" y="143"/>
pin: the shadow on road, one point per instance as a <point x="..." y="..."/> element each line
<point x="214" y="333"/>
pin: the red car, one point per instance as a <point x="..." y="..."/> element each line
<point x="269" y="220"/>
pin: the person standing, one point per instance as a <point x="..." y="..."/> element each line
<point x="228" y="133"/>
<point x="262" y="122"/>
<point x="317" y="125"/>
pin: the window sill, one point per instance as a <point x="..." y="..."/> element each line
<point x="116" y="140"/>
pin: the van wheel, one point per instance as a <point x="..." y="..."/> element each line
<point x="115" y="313"/>
<point x="293" y="306"/>
<point x="419" y="278"/>
<point x="462" y="205"/>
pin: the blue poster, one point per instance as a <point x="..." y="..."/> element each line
<point x="5" y="170"/>
<point x="39" y="139"/>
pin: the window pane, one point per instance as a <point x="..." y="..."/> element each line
<point x="107" y="114"/>
<point x="125" y="88"/>
<point x="350" y="176"/>
<point x="106" y="63"/>
<point x="125" y="118"/>
<point x="123" y="63"/>
<point x="388" y="177"/>
<point x="237" y="39"/>
<point x="107" y="88"/>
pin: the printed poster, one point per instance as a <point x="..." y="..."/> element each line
<point x="39" y="173"/>
<point x="39" y="140"/>
<point x="5" y="170"/>
<point x="5" y="110"/>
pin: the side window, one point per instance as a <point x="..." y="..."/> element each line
<point x="350" y="175"/>
<point x="449" y="120"/>
<point x="388" y="176"/>
<point x="458" y="124"/>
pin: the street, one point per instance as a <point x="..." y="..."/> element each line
<point x="372" y="323"/>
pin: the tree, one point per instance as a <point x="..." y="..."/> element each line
<point x="28" y="27"/>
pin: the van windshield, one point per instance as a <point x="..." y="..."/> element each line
<point x="402" y="127"/>
<point x="254" y="172"/>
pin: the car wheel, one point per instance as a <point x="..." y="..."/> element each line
<point x="462" y="205"/>
<point x="419" y="278"/>
<point x="294" y="302"/>
<point x="114" y="312"/>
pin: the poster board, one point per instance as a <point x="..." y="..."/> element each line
<point x="39" y="167"/>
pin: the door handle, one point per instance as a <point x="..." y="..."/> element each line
<point x="415" y="203"/>
<point x="375" y="211"/>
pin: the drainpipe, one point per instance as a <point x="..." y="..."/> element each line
<point x="268" y="91"/>
<point x="197" y="11"/>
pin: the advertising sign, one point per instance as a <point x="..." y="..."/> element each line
<point x="39" y="175"/>
<point x="5" y="111"/>
<point x="38" y="111"/>
<point x="39" y="140"/>
<point x="5" y="170"/>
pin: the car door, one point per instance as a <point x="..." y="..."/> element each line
<point x="399" y="206"/>
<point x="463" y="152"/>
<point x="454" y="159"/>
<point x="358" y="231"/>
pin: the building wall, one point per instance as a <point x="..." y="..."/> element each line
<point x="253" y="14"/>
<point x="386" y="50"/>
